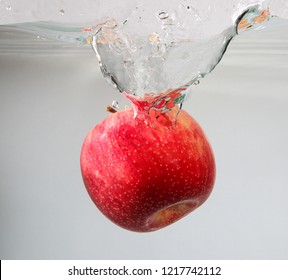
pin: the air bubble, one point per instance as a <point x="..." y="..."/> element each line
<point x="163" y="15"/>
<point x="115" y="104"/>
<point x="128" y="64"/>
<point x="62" y="12"/>
<point x="196" y="83"/>
<point x="8" y="8"/>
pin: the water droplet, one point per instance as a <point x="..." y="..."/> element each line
<point x="8" y="8"/>
<point x="115" y="104"/>
<point x="62" y="12"/>
<point x="163" y="15"/>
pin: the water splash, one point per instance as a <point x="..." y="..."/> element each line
<point x="156" y="70"/>
<point x="253" y="17"/>
<point x="155" y="54"/>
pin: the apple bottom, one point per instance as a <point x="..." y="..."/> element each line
<point x="149" y="218"/>
<point x="170" y="214"/>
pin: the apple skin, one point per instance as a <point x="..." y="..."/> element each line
<point x="144" y="173"/>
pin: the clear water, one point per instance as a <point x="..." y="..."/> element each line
<point x="153" y="54"/>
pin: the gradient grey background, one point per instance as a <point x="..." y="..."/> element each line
<point x="51" y="98"/>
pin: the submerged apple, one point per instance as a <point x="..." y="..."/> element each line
<point x="145" y="173"/>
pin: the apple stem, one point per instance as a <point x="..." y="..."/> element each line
<point x="110" y="109"/>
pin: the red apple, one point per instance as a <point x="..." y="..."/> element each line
<point x="145" y="173"/>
